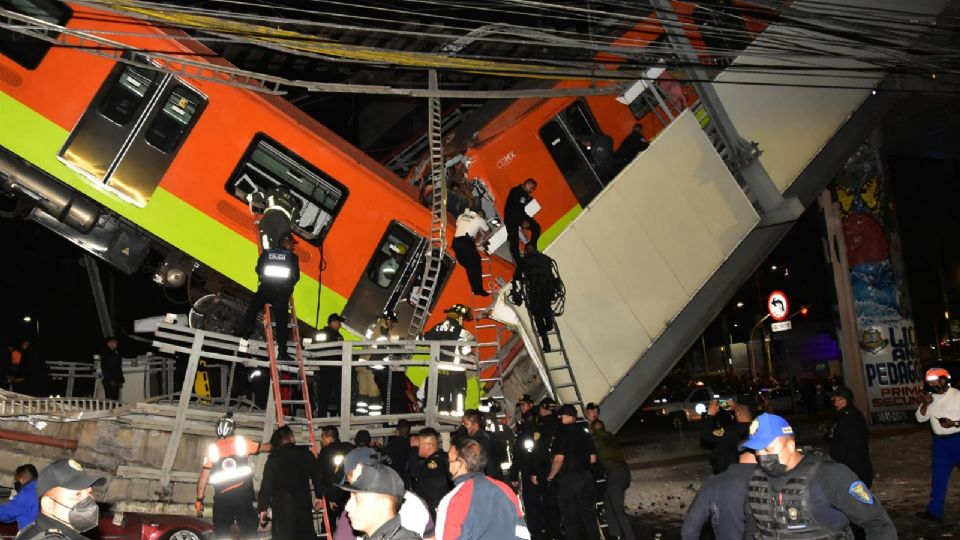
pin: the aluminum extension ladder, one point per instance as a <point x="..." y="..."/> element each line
<point x="437" y="244"/>
<point x="556" y="362"/>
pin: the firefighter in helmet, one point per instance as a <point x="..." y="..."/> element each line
<point x="229" y="469"/>
<point x="452" y="381"/>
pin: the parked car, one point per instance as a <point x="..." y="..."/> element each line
<point x="137" y="526"/>
<point x="684" y="406"/>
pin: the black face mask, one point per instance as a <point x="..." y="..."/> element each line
<point x="84" y="515"/>
<point x="17" y="485"/>
<point x="770" y="463"/>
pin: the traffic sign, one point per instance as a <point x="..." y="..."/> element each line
<point x="781" y="326"/>
<point x="778" y="306"/>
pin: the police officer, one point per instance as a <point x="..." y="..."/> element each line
<point x="333" y="452"/>
<point x="228" y="467"/>
<point x="326" y="379"/>
<point x="67" y="507"/>
<point x="286" y="494"/>
<point x="279" y="271"/>
<point x="720" y="502"/>
<point x="849" y="443"/>
<point x="473" y="427"/>
<point x="544" y="438"/>
<point x="515" y="215"/>
<point x="279" y="208"/>
<point x="573" y="455"/>
<point x="397" y="450"/>
<point x="111" y="366"/>
<point x="429" y="475"/>
<point x="809" y="496"/>
<point x="724" y="437"/>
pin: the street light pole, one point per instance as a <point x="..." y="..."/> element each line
<point x="753" y="355"/>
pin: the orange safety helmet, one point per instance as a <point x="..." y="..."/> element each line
<point x="935" y="374"/>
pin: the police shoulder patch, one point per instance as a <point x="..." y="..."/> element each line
<point x="860" y="492"/>
<point x="432" y="465"/>
<point x="718" y="432"/>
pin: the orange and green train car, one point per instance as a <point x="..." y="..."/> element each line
<point x="543" y="138"/>
<point x="121" y="158"/>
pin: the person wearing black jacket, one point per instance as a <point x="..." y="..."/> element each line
<point x="849" y="444"/>
<point x="112" y="368"/>
<point x="286" y="488"/>
<point x="723" y="439"/>
<point x="279" y="271"/>
<point x="332" y="453"/>
<point x="720" y="501"/>
<point x="472" y="424"/>
<point x="326" y="379"/>
<point x="515" y="215"/>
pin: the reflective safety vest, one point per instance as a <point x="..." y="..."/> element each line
<point x="787" y="514"/>
<point x="278" y="267"/>
<point x="229" y="463"/>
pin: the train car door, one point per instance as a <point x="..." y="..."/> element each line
<point x="562" y="137"/>
<point x="390" y="268"/>
<point x="131" y="132"/>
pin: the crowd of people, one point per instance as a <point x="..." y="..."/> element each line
<point x="765" y="485"/>
<point x="410" y="486"/>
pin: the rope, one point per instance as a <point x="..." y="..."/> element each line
<point x="543" y="284"/>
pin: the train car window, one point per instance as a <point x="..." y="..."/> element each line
<point x="267" y="164"/>
<point x="564" y="153"/>
<point x="174" y="120"/>
<point x="389" y="258"/>
<point x="124" y="99"/>
<point x="579" y="120"/>
<point x="25" y="50"/>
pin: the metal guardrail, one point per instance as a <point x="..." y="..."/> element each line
<point x="436" y="356"/>
<point x="57" y="408"/>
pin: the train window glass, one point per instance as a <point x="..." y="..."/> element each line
<point x="579" y="120"/>
<point x="174" y="120"/>
<point x="125" y="98"/>
<point x="567" y="157"/>
<point x="25" y="50"/>
<point x="267" y="164"/>
<point x="389" y="259"/>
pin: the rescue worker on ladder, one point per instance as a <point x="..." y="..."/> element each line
<point x="451" y="382"/>
<point x="278" y="207"/>
<point x="805" y="496"/>
<point x="279" y="271"/>
<point x="515" y="215"/>
<point x="228" y="467"/>
<point x="544" y="288"/>
<point x="371" y="381"/>
<point x="472" y="231"/>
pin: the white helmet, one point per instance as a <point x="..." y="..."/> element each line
<point x="225" y="426"/>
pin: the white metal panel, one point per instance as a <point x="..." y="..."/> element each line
<point x="645" y="281"/>
<point x="706" y="183"/>
<point x="668" y="217"/>
<point x="637" y="255"/>
<point x="603" y="324"/>
<point x="793" y="123"/>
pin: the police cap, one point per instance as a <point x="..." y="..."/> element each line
<point x="336" y="317"/>
<point x="548" y="403"/>
<point x="66" y="473"/>
<point x="527" y="398"/>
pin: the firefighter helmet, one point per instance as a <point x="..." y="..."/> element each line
<point x="935" y="374"/>
<point x="226" y="425"/>
<point x="460" y="310"/>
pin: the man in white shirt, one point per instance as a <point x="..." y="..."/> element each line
<point x="472" y="229"/>
<point x="941" y="408"/>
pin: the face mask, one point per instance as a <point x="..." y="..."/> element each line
<point x="17" y="485"/>
<point x="770" y="463"/>
<point x="84" y="515"/>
